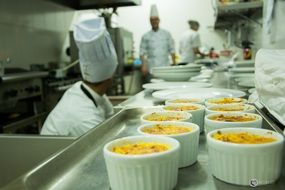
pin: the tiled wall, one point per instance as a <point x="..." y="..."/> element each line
<point x="33" y="31"/>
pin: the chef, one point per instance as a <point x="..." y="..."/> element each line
<point x="156" y="46"/>
<point x="85" y="104"/>
<point x="189" y="43"/>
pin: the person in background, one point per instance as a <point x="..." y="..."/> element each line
<point x="85" y="104"/>
<point x="156" y="46"/>
<point x="189" y="43"/>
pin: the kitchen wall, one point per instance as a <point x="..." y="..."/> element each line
<point x="173" y="16"/>
<point x="36" y="31"/>
<point x="33" y="31"/>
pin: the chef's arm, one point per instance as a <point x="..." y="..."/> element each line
<point x="173" y="58"/>
<point x="198" y="52"/>
<point x="144" y="69"/>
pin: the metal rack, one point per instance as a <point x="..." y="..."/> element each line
<point x="228" y="13"/>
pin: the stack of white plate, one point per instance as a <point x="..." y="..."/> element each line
<point x="244" y="63"/>
<point x="201" y="93"/>
<point x="243" y="76"/>
<point x="176" y="73"/>
<point x="246" y="82"/>
<point x="204" y="76"/>
<point x="242" y="70"/>
<point x="175" y="85"/>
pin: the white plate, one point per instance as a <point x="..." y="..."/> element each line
<point x="200" y="80"/>
<point x="251" y="90"/>
<point x="242" y="70"/>
<point x="190" y="67"/>
<point x="245" y="63"/>
<point x="242" y="75"/>
<point x="154" y="80"/>
<point x="247" y="83"/>
<point x="175" y="76"/>
<point x="171" y="85"/>
<point x="202" y="93"/>
<point x="154" y="70"/>
<point x="205" y="61"/>
<point x="241" y="79"/>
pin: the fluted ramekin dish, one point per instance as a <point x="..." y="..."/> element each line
<point x="246" y="108"/>
<point x="197" y="111"/>
<point x="211" y="124"/>
<point x="246" y="164"/>
<point x="154" y="171"/>
<point x="176" y="101"/>
<point x="225" y="101"/>
<point x="189" y="141"/>
<point x="166" y="116"/>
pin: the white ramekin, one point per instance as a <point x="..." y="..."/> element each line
<point x="211" y="125"/>
<point x="245" y="164"/>
<point x="187" y="117"/>
<point x="197" y="115"/>
<point x="157" y="171"/>
<point x="246" y="108"/>
<point x="191" y="100"/>
<point x="209" y="102"/>
<point x="189" y="141"/>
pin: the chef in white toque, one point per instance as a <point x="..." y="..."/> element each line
<point x="85" y="104"/>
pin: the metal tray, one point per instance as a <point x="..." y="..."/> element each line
<point x="81" y="165"/>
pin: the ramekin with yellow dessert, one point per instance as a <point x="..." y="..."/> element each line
<point x="176" y="101"/>
<point x="246" y="108"/>
<point x="186" y="133"/>
<point x="225" y="101"/>
<point x="197" y="111"/>
<point x="142" y="162"/>
<point x="160" y="116"/>
<point x="244" y="155"/>
<point x="227" y="120"/>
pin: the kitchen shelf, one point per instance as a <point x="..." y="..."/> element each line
<point x="229" y="13"/>
<point x="236" y="7"/>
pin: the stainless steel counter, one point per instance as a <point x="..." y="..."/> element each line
<point x="21" y="153"/>
<point x="82" y="166"/>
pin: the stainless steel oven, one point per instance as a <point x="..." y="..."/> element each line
<point x="21" y="102"/>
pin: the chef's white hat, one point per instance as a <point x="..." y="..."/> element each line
<point x="97" y="55"/>
<point x="153" y="11"/>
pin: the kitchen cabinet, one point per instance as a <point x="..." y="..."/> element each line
<point x="229" y="12"/>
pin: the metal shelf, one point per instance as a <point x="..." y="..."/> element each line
<point x="242" y="6"/>
<point x="227" y="14"/>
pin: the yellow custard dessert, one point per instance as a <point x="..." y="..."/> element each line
<point x="233" y="118"/>
<point x="169" y="129"/>
<point x="242" y="138"/>
<point x="160" y="117"/>
<point x="226" y="100"/>
<point x="184" y="100"/>
<point x="240" y="108"/>
<point x="140" y="148"/>
<point x="181" y="108"/>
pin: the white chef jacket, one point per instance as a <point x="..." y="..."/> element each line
<point x="188" y="41"/>
<point x="156" y="46"/>
<point x="76" y="113"/>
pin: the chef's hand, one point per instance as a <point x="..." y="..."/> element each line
<point x="144" y="69"/>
